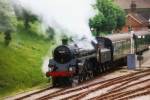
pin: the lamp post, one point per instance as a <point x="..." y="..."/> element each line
<point x="131" y="32"/>
<point x="132" y="42"/>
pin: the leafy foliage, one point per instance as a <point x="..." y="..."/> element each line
<point x="24" y="15"/>
<point x="97" y="22"/>
<point x="7" y="37"/>
<point x="21" y="62"/>
<point x="27" y="17"/>
<point x="7" y="20"/>
<point x="109" y="17"/>
<point x="7" y="16"/>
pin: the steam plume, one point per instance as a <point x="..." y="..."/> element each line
<point x="67" y="17"/>
<point x="70" y="17"/>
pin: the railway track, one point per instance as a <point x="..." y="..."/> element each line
<point x="107" y="84"/>
<point x="76" y="89"/>
<point x="23" y="97"/>
<point x="128" y="93"/>
<point x="53" y="91"/>
<point x="136" y="95"/>
<point x="120" y="93"/>
<point x="120" y="83"/>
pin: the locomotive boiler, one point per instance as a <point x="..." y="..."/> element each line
<point x="71" y="61"/>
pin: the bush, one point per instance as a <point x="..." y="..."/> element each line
<point x="7" y="37"/>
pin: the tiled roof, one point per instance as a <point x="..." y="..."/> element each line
<point x="125" y="4"/>
<point x="139" y="18"/>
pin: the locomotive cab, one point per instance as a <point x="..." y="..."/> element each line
<point x="106" y="46"/>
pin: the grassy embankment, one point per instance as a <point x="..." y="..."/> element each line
<point x="20" y="63"/>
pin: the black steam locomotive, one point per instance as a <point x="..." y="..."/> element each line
<point x="73" y="63"/>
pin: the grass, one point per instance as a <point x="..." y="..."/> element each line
<point x="21" y="61"/>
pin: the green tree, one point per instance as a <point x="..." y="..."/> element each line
<point x="7" y="20"/>
<point x="24" y="16"/>
<point x="6" y="16"/>
<point x="96" y="23"/>
<point x="27" y="18"/>
<point x="111" y="17"/>
<point x="120" y="18"/>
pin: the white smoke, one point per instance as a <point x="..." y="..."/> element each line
<point x="45" y="64"/>
<point x="67" y="17"/>
<point x="70" y="17"/>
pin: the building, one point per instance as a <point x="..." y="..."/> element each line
<point x="138" y="14"/>
<point x="135" y="22"/>
<point x="142" y="6"/>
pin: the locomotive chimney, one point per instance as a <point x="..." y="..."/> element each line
<point x="64" y="41"/>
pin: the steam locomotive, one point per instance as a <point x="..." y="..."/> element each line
<point x="71" y="63"/>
